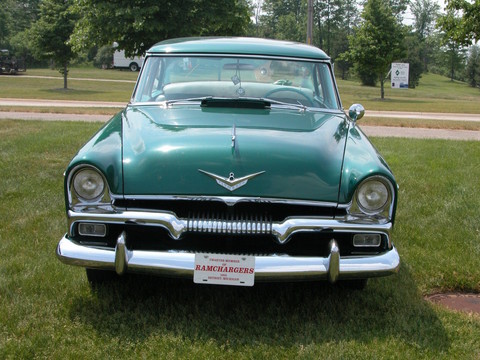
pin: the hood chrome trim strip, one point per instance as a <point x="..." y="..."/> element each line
<point x="230" y="200"/>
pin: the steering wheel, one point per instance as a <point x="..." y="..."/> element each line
<point x="291" y="89"/>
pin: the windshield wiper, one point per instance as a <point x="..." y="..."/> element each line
<point x="299" y="105"/>
<point x="187" y="100"/>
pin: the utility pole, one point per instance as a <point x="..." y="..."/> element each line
<point x="310" y="22"/>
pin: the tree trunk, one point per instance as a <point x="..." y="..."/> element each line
<point x="382" y="89"/>
<point x="65" y="75"/>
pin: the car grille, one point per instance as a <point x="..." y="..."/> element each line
<point x="215" y="227"/>
<point x="224" y="224"/>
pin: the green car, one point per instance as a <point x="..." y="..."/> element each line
<point x="234" y="162"/>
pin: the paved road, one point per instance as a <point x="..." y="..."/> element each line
<point x="420" y="133"/>
<point x="381" y="131"/>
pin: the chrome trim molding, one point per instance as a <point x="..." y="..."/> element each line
<point x="176" y="227"/>
<point x="326" y="60"/>
<point x="267" y="268"/>
<point x="231" y="200"/>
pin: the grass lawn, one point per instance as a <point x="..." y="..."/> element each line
<point x="47" y="309"/>
<point x="52" y="89"/>
<point x="434" y="94"/>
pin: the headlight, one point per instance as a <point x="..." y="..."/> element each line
<point x="88" y="184"/>
<point x="373" y="195"/>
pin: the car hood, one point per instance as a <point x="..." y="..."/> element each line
<point x="190" y="150"/>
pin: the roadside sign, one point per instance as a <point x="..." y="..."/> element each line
<point x="399" y="75"/>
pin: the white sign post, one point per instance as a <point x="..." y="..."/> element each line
<point x="399" y="75"/>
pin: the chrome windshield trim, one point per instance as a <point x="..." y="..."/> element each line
<point x="274" y="105"/>
<point x="176" y="227"/>
<point x="239" y="55"/>
<point x="231" y="200"/>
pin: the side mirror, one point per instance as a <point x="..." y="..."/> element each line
<point x="356" y="112"/>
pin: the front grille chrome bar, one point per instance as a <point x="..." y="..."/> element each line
<point x="239" y="225"/>
<point x="176" y="227"/>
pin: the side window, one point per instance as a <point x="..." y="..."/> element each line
<point x="149" y="86"/>
<point x="325" y="88"/>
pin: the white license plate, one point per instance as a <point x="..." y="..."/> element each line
<point x="237" y="270"/>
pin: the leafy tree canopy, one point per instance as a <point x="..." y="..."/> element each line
<point x="425" y="13"/>
<point x="15" y="17"/>
<point x="468" y="28"/>
<point x="136" y="25"/>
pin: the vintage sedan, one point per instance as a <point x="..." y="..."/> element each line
<point x="234" y="162"/>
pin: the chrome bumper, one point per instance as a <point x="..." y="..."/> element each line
<point x="267" y="268"/>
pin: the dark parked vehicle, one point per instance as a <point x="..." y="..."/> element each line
<point x="10" y="64"/>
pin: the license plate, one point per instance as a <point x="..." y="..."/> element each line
<point x="237" y="270"/>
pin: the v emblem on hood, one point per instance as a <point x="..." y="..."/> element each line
<point x="231" y="183"/>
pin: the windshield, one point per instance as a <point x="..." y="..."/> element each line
<point x="173" y="78"/>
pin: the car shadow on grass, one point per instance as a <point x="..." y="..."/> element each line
<point x="278" y="314"/>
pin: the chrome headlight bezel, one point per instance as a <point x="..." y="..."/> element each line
<point x="76" y="198"/>
<point x="377" y="186"/>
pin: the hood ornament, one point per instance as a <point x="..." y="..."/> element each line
<point x="230" y="183"/>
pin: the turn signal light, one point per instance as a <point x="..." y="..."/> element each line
<point x="90" y="229"/>
<point x="367" y="240"/>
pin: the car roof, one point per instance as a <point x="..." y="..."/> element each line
<point x="238" y="45"/>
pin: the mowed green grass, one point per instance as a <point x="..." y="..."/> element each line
<point x="118" y="87"/>
<point x="47" y="309"/>
<point x="434" y="94"/>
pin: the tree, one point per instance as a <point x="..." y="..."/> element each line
<point x="452" y="51"/>
<point x="398" y="8"/>
<point x="455" y="58"/>
<point x="377" y="43"/>
<point x="472" y="71"/>
<point x="284" y="19"/>
<point x="15" y="17"/>
<point x="5" y="20"/>
<point x="104" y="57"/>
<point x="51" y="33"/>
<point x="136" y="25"/>
<point x="465" y="30"/>
<point x="414" y="59"/>
<point x="425" y="13"/>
